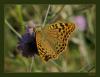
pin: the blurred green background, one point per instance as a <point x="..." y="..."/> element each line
<point x="81" y="53"/>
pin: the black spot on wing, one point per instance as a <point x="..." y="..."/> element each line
<point x="66" y="24"/>
<point x="61" y="48"/>
<point x="61" y="24"/>
<point x="62" y="44"/>
<point x="59" y="29"/>
<point x="42" y="48"/>
<point x="52" y="25"/>
<point x="65" y="39"/>
<point x="56" y="26"/>
<point x="56" y="47"/>
<point x="63" y="31"/>
<point x="47" y="57"/>
<point x="64" y="36"/>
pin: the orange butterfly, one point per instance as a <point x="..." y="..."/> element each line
<point x="52" y="39"/>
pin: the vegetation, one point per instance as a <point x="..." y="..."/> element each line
<point x="80" y="55"/>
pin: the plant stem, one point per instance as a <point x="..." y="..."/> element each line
<point x="30" y="69"/>
<point x="19" y="13"/>
<point x="56" y="15"/>
<point x="9" y="25"/>
<point x="46" y="15"/>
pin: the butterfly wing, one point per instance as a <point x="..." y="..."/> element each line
<point x="44" y="48"/>
<point x="53" y="39"/>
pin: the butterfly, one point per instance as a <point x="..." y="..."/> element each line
<point x="52" y="40"/>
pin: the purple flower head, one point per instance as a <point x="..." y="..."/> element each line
<point x="80" y="22"/>
<point x="28" y="45"/>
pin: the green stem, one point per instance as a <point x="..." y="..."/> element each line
<point x="9" y="25"/>
<point x="30" y="69"/>
<point x="19" y="13"/>
<point x="46" y="15"/>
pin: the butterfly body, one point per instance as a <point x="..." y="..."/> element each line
<point x="52" y="39"/>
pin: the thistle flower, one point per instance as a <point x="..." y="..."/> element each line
<point x="27" y="43"/>
<point x="80" y="22"/>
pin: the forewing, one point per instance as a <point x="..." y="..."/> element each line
<point x="58" y="34"/>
